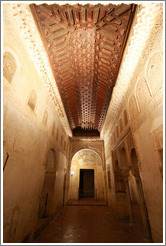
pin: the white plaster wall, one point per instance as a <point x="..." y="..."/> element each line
<point x="27" y="141"/>
<point x="150" y="175"/>
<point x="143" y="103"/>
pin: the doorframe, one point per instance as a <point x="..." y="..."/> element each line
<point x="95" y="195"/>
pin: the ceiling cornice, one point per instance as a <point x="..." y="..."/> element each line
<point x="147" y="18"/>
<point x="19" y="17"/>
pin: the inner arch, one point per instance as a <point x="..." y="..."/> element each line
<point x="86" y="176"/>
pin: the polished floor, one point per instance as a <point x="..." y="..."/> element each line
<point x="89" y="224"/>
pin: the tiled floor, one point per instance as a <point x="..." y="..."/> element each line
<point x="89" y="224"/>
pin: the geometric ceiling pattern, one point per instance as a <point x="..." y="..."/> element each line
<point x="85" y="45"/>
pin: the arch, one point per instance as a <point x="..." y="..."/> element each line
<point x="95" y="145"/>
<point x="50" y="163"/>
<point x="86" y="176"/>
<point x="154" y="71"/>
<point x="123" y="158"/>
<point x="116" y="165"/>
<point x="133" y="107"/>
<point x="114" y="155"/>
<point x="90" y="149"/>
<point x="143" y="96"/>
<point x="134" y="198"/>
<point x="9" y="66"/>
<point x="47" y="194"/>
<point x="32" y="100"/>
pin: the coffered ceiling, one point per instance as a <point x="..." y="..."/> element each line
<point x="85" y="45"/>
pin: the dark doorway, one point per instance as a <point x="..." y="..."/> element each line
<point x="86" y="187"/>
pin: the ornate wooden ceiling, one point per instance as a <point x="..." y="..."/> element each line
<point x="85" y="45"/>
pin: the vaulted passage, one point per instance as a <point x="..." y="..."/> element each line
<point x="85" y="46"/>
<point x="82" y="122"/>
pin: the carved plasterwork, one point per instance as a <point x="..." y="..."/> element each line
<point x="142" y="92"/>
<point x="87" y="157"/>
<point x="154" y="71"/>
<point x="19" y="19"/>
<point x="97" y="146"/>
<point x="147" y="23"/>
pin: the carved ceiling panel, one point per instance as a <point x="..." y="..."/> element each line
<point x="85" y="45"/>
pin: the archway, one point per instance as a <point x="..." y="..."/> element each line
<point x="135" y="198"/>
<point x="46" y="199"/>
<point x="123" y="159"/>
<point x="122" y="186"/>
<point x="140" y="213"/>
<point x="116" y="166"/>
<point x="86" y="176"/>
<point x="90" y="148"/>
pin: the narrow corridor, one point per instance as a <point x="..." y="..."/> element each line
<point x="82" y="122"/>
<point x="89" y="224"/>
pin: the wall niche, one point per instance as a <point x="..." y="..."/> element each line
<point x="9" y="66"/>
